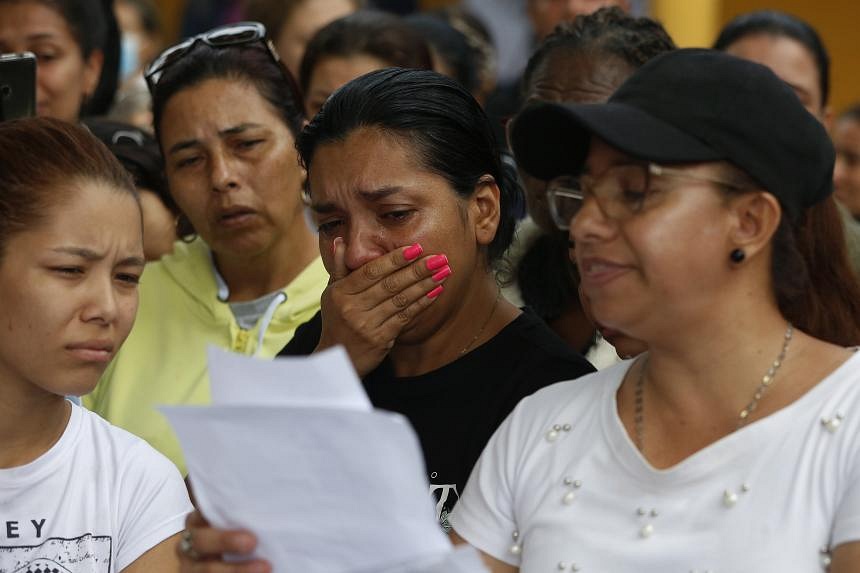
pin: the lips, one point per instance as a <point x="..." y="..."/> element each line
<point x="597" y="272"/>
<point x="235" y="216"/>
<point x="92" y="350"/>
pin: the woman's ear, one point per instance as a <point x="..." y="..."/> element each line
<point x="756" y="217"/>
<point x="485" y="207"/>
<point x="92" y="72"/>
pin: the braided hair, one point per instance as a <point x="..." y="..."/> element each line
<point x="606" y="31"/>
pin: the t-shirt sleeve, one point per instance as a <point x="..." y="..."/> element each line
<point x="153" y="503"/>
<point x="484" y="516"/>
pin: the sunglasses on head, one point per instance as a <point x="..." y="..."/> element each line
<point x="241" y="33"/>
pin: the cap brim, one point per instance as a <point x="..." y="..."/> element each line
<point x="550" y="139"/>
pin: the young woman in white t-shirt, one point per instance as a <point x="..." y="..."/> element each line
<point x="76" y="494"/>
<point x="702" y="226"/>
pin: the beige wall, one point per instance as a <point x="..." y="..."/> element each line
<point x="696" y="23"/>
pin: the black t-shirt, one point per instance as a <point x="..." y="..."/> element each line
<point x="456" y="408"/>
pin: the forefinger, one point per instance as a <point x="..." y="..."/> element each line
<point x="374" y="271"/>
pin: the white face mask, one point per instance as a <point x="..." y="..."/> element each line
<point x="129" y="59"/>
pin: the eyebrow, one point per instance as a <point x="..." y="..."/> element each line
<point x="373" y="196"/>
<point x="92" y="256"/>
<point x="241" y="128"/>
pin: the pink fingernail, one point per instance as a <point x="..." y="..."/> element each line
<point x="436" y="262"/>
<point x="444" y="273"/>
<point x="413" y="252"/>
<point x="435" y="292"/>
<point x="334" y="245"/>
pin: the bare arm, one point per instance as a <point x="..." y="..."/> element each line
<point x="161" y="558"/>
<point x="846" y="558"/>
<point x="493" y="564"/>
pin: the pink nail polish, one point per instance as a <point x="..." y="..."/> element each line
<point x="413" y="252"/>
<point x="436" y="262"/>
<point x="435" y="292"/>
<point x="334" y="245"/>
<point x="444" y="273"/>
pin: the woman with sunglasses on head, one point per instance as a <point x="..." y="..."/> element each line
<point x="76" y="493"/>
<point x="413" y="210"/>
<point x="248" y="271"/>
<point x="731" y="444"/>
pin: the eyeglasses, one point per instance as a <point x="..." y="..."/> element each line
<point x="221" y="37"/>
<point x="621" y="192"/>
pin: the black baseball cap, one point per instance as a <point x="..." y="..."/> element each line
<point x="690" y="106"/>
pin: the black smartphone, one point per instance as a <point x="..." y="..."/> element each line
<point x="17" y="85"/>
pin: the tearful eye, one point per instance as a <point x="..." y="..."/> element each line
<point x="188" y="161"/>
<point x="329" y="228"/>
<point x="399" y="215"/>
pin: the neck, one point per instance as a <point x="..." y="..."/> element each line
<point x="251" y="277"/>
<point x="480" y="316"/>
<point x="31" y="421"/>
<point x="716" y="364"/>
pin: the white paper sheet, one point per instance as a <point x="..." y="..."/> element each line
<point x="294" y="453"/>
<point x="326" y="490"/>
<point x="324" y="379"/>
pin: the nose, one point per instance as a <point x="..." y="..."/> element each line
<point x="590" y="224"/>
<point x="101" y="305"/>
<point x="362" y="246"/>
<point x="223" y="172"/>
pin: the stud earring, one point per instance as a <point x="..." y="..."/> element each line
<point x="737" y="256"/>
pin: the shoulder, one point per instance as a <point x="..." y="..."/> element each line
<point x="189" y="265"/>
<point x="537" y="345"/>
<point x="571" y="399"/>
<point x="305" y="339"/>
<point x="128" y="456"/>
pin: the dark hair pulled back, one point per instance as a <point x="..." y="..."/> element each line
<point x="780" y="24"/>
<point x="366" y="32"/>
<point x="437" y="117"/>
<point x="608" y="31"/>
<point x="40" y="159"/>
<point x="250" y="63"/>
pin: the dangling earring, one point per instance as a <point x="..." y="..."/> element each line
<point x="737" y="256"/>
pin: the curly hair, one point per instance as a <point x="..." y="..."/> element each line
<point x="606" y="31"/>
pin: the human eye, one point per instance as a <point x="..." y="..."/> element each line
<point x="398" y="215"/>
<point x="249" y="143"/>
<point x="329" y="228"/>
<point x="128" y="279"/>
<point x="45" y="54"/>
<point x="188" y="161"/>
<point x="68" y="271"/>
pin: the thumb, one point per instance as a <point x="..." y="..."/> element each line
<point x="339" y="270"/>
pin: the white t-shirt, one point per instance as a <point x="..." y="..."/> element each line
<point x="93" y="503"/>
<point x="766" y="498"/>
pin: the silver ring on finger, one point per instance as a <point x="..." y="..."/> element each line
<point x="186" y="546"/>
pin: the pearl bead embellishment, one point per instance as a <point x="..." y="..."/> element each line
<point x="832" y="424"/>
<point x="730" y="498"/>
<point x="646" y="531"/>
<point x="516" y="548"/>
<point x="556" y="430"/>
<point x="570" y="495"/>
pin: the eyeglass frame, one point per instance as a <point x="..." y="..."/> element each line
<point x="166" y="59"/>
<point x="651" y="168"/>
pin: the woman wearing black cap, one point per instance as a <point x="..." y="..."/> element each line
<point x="730" y="445"/>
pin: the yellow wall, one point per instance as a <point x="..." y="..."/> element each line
<point x="696" y="23"/>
